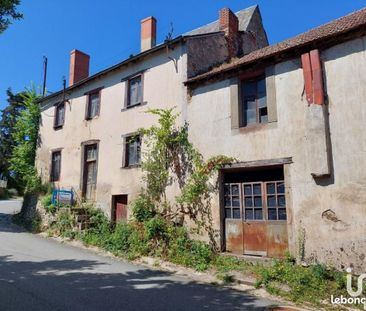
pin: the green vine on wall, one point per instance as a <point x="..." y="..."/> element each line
<point x="170" y="159"/>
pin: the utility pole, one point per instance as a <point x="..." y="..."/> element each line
<point x="44" y="75"/>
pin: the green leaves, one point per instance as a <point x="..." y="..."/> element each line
<point x="25" y="136"/>
<point x="8" y="12"/>
<point x="170" y="159"/>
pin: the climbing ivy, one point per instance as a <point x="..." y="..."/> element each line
<point x="170" y="159"/>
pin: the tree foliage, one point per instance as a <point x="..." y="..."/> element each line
<point x="8" y="119"/>
<point x="170" y="159"/>
<point x="8" y="13"/>
<point x="25" y="136"/>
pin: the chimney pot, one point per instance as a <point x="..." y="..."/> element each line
<point x="148" y="33"/>
<point x="229" y="22"/>
<point x="79" y="66"/>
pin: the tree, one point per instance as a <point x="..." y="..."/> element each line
<point x="8" y="119"/>
<point x="25" y="136"/>
<point x="8" y="13"/>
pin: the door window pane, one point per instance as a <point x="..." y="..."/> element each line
<point x="248" y="202"/>
<point x="257" y="201"/>
<point x="258" y="214"/>
<point x="271" y="188"/>
<point x="227" y="201"/>
<point x="280" y="187"/>
<point x="282" y="214"/>
<point x="257" y="189"/>
<point x="227" y="213"/>
<point x="249" y="214"/>
<point x="236" y="213"/>
<point x="236" y="201"/>
<point x="281" y="200"/>
<point x="235" y="189"/>
<point x="247" y="189"/>
<point x="272" y="214"/>
<point x="271" y="201"/>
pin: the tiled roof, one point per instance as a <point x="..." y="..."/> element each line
<point x="244" y="17"/>
<point x="334" y="28"/>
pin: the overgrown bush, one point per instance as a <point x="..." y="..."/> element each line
<point x="65" y="224"/>
<point x="143" y="208"/>
<point x="98" y="228"/>
<point x="47" y="204"/>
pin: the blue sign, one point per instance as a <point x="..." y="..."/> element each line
<point x="62" y="197"/>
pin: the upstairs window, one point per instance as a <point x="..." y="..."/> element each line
<point x="59" y="115"/>
<point x="134" y="96"/>
<point x="55" y="166"/>
<point x="254" y="102"/>
<point x="93" y="104"/>
<point x="132" y="151"/>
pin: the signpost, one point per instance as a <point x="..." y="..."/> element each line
<point x="62" y="197"/>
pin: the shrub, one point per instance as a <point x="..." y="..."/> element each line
<point x="65" y="224"/>
<point x="47" y="204"/>
<point x="156" y="228"/>
<point x="98" y="229"/>
<point x="143" y="208"/>
<point x="118" y="242"/>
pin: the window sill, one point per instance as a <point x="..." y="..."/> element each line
<point x="257" y="127"/>
<point x="133" y="106"/>
<point x="90" y="119"/>
<point x="58" y="127"/>
<point x="131" y="166"/>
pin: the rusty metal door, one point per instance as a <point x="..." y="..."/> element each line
<point x="257" y="224"/>
<point x="275" y="200"/>
<point x="254" y="225"/>
<point x="233" y="218"/>
<point x="121" y="208"/>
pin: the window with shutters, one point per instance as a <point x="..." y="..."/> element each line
<point x="254" y="102"/>
<point x="93" y="104"/>
<point x="59" y="116"/>
<point x="55" y="166"/>
<point x="132" y="154"/>
<point x="134" y="92"/>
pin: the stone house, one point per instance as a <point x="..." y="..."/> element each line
<point x="291" y="113"/>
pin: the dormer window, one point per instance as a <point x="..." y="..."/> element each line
<point x="59" y="115"/>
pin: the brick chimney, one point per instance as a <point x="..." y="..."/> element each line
<point x="229" y="22"/>
<point x="148" y="33"/>
<point x="79" y="66"/>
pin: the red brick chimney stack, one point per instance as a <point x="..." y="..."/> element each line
<point x="228" y="22"/>
<point x="79" y="66"/>
<point x="148" y="33"/>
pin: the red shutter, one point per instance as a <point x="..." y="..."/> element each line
<point x="317" y="77"/>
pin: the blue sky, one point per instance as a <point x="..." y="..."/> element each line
<point x="109" y="30"/>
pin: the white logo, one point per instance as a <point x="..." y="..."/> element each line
<point x="354" y="299"/>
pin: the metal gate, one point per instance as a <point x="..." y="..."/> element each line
<point x="255" y="218"/>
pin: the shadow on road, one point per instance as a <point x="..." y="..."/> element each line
<point x="82" y="285"/>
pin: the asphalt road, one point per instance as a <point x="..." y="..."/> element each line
<point x="42" y="274"/>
